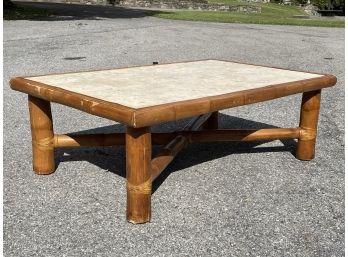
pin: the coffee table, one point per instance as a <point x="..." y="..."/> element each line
<point x="140" y="97"/>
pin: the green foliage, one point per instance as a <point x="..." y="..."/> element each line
<point x="321" y="4"/>
<point x="329" y="4"/>
<point x="298" y="2"/>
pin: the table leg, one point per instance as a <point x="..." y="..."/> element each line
<point x="139" y="182"/>
<point x="212" y="122"/>
<point x="42" y="135"/>
<point x="308" y="124"/>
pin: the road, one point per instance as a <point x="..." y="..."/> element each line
<point x="218" y="199"/>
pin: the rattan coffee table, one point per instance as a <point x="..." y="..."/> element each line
<point x="140" y="97"/>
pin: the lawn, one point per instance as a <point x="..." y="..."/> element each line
<point x="270" y="14"/>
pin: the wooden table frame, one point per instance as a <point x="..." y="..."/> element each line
<point x="142" y="169"/>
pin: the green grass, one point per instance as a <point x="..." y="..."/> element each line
<point x="25" y="13"/>
<point x="270" y="14"/>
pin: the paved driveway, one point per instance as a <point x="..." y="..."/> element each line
<point x="220" y="199"/>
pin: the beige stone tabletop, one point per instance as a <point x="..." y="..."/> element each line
<point x="145" y="86"/>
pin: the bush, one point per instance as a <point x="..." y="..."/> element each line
<point x="329" y="4"/>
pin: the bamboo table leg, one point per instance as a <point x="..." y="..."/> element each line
<point x="139" y="182"/>
<point x="212" y="122"/>
<point x="308" y="124"/>
<point x="42" y="135"/>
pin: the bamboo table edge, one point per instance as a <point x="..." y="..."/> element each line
<point x="148" y="116"/>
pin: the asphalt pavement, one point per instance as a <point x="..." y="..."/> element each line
<point x="216" y="199"/>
